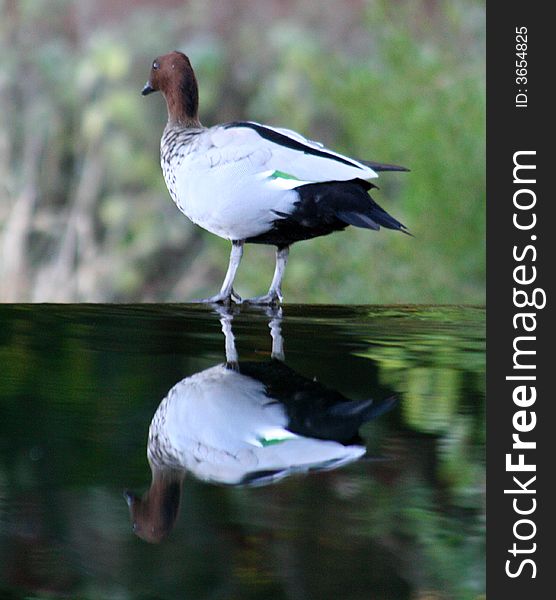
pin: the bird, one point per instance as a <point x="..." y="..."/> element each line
<point x="256" y="424"/>
<point x="247" y="424"/>
<point x="259" y="184"/>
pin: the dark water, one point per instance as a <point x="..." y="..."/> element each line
<point x="79" y="386"/>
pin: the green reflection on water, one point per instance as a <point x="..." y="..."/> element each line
<point x="80" y="385"/>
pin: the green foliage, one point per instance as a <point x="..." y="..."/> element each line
<point x="84" y="214"/>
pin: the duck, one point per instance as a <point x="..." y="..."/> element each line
<point x="245" y="423"/>
<point x="248" y="425"/>
<point x="257" y="184"/>
<point x="255" y="425"/>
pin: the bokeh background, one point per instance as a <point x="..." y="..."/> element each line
<point x="84" y="213"/>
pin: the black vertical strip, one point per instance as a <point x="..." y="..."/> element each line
<point x="518" y="121"/>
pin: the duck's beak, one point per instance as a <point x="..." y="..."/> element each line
<point x="129" y="497"/>
<point x="148" y="89"/>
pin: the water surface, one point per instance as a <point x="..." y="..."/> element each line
<point x="79" y="388"/>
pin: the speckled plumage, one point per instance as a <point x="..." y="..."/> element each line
<point x="176" y="143"/>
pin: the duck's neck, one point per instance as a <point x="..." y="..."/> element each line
<point x="183" y="104"/>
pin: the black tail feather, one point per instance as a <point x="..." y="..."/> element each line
<point x="362" y="410"/>
<point x="373" y="217"/>
<point x="376" y="166"/>
<point x="379" y="408"/>
<point x="326" y="207"/>
<point x="357" y="220"/>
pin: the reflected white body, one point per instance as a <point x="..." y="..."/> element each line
<point x="221" y="426"/>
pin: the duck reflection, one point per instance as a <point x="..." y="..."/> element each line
<point x="248" y="424"/>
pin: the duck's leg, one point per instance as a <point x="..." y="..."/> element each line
<point x="275" y="326"/>
<point x="232" y="357"/>
<point x="274" y="294"/>
<point x="227" y="294"/>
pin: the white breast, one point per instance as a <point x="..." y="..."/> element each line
<point x="233" y="200"/>
<point x="226" y="190"/>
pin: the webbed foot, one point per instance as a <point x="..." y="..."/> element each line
<point x="222" y="298"/>
<point x="272" y="298"/>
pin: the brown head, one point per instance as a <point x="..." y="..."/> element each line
<point x="173" y="76"/>
<point x="154" y="514"/>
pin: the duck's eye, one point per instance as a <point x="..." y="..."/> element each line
<point x="156" y="65"/>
